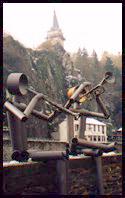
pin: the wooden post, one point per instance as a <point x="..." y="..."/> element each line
<point x="62" y="176"/>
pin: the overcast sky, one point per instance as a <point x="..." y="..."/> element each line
<point x="91" y="25"/>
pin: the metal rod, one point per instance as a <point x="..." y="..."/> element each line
<point x="70" y="128"/>
<point x="62" y="176"/>
<point x="44" y="97"/>
<point x="23" y="132"/>
<point x="82" y="126"/>
<point x="47" y="155"/>
<point x="54" y="104"/>
<point x="21" y="128"/>
<point x="36" y="113"/>
<point x="94" y="153"/>
<point x="77" y="92"/>
<point x="84" y="112"/>
<point x="32" y="104"/>
<point x="102" y="107"/>
<point x="10" y="107"/>
<point x="103" y="81"/>
<point x="54" y="115"/>
<point x="73" y="149"/>
<point x="84" y="143"/>
<point x="68" y="103"/>
<point x="100" y="187"/>
<point x="57" y="112"/>
<point x="111" y="147"/>
<point x="15" y="132"/>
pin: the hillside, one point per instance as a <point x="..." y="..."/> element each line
<point x="45" y="69"/>
<point x="51" y="71"/>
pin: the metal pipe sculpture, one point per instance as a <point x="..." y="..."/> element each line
<point x="18" y="113"/>
<point x="94" y="150"/>
<point x="17" y="84"/>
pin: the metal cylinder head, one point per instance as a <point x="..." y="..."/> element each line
<point x="20" y="156"/>
<point x="16" y="155"/>
<point x="17" y="83"/>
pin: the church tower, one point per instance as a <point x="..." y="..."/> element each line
<point x="55" y="34"/>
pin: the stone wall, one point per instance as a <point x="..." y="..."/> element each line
<point x="38" y="145"/>
<point x="41" y="178"/>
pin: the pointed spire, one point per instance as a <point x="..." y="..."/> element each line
<point x="55" y="21"/>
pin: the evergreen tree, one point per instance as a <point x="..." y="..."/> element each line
<point x="95" y="58"/>
<point x="81" y="62"/>
<point x="109" y="66"/>
<point x="79" y="52"/>
<point x="95" y="69"/>
<point x="84" y="52"/>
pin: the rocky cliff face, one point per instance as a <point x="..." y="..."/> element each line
<point x="46" y="69"/>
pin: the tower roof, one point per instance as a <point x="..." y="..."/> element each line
<point x="55" y="22"/>
<point x="55" y="33"/>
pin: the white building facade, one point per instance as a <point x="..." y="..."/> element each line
<point x="95" y="130"/>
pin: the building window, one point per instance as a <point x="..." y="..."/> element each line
<point x="103" y="138"/>
<point x="98" y="138"/>
<point x="98" y="128"/>
<point x="94" y="127"/>
<point x="90" y="138"/>
<point x="89" y="127"/>
<point x="76" y="127"/>
<point x="94" y="138"/>
<point x="103" y="129"/>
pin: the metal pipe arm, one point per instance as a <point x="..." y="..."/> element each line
<point x="32" y="104"/>
<point x="10" y="107"/>
<point x="103" y="147"/>
<point x="94" y="153"/>
<point x="108" y="78"/>
<point x="61" y="108"/>
<point x="36" y="113"/>
<point x="102" y="106"/>
<point x="84" y="112"/>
